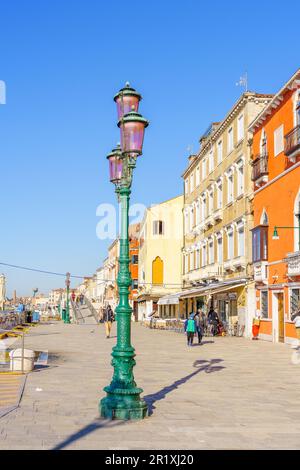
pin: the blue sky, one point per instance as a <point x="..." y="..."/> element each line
<point x="62" y="62"/>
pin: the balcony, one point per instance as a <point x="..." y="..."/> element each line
<point x="239" y="263"/>
<point x="260" y="272"/>
<point x="228" y="266"/>
<point x="218" y="216"/>
<point x="260" y="170"/>
<point x="292" y="143"/>
<point x="293" y="262"/>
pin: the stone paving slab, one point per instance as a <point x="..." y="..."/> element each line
<point x="229" y="393"/>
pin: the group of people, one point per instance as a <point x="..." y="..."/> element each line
<point x="198" y="322"/>
<point x="77" y="298"/>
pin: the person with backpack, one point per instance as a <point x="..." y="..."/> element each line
<point x="190" y="328"/>
<point x="108" y="318"/>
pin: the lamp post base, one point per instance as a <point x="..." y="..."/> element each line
<point x="123" y="404"/>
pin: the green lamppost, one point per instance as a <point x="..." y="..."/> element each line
<point x="67" y="315"/>
<point x="123" y="399"/>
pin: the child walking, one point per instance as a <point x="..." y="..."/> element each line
<point x="190" y="328"/>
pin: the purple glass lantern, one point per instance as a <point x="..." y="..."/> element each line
<point x="115" y="165"/>
<point x="127" y="100"/>
<point x="132" y="127"/>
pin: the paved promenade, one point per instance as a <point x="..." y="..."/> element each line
<point x="229" y="393"/>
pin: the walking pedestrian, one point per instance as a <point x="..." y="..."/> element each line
<point x="73" y="296"/>
<point x="81" y="299"/>
<point x="198" y="326"/>
<point x="213" y="320"/>
<point x="190" y="328"/>
<point x="256" y="324"/>
<point x="108" y="318"/>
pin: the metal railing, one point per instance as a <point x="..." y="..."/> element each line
<point x="260" y="167"/>
<point x="91" y="308"/>
<point x="76" y="311"/>
<point x="292" y="141"/>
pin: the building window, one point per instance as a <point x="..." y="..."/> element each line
<point x="203" y="169"/>
<point x="263" y="144"/>
<point x="197" y="212"/>
<point x="134" y="259"/>
<point x="191" y="218"/>
<point x="186" y="186"/>
<point x="220" y="250"/>
<point x="240" y="129"/>
<point x="294" y="300"/>
<point x="192" y="260"/>
<point x="240" y="177"/>
<point x="210" y="201"/>
<point x="210" y="161"/>
<point x="158" y="227"/>
<point x="264" y="303"/>
<point x="229" y="187"/>
<point x="211" y="258"/>
<point x="203" y="206"/>
<point x="260" y="243"/>
<point x="186" y="221"/>
<point x="297" y="222"/>
<point x="278" y="140"/>
<point x="157" y="271"/>
<point x="204" y="259"/>
<point x="220" y="151"/>
<point x="230" y="140"/>
<point x="197" y="175"/>
<point x="192" y="182"/>
<point x="241" y="241"/>
<point x="186" y="264"/>
<point x="230" y="244"/>
<point x="219" y="194"/>
<point x="198" y="259"/>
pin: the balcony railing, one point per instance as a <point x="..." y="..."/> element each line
<point x="293" y="262"/>
<point x="292" y="141"/>
<point x="260" y="167"/>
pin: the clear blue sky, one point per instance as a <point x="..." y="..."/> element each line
<point x="63" y="61"/>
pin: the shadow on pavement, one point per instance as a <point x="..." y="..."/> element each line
<point x="97" y="424"/>
<point x="201" y="366"/>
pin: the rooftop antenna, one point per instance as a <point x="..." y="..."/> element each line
<point x="243" y="81"/>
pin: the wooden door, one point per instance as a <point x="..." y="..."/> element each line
<point x="280" y="318"/>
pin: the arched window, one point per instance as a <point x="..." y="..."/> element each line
<point x="264" y="220"/>
<point x="157" y="271"/>
<point x="297" y="222"/>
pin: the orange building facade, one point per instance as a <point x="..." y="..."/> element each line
<point x="276" y="179"/>
<point x="134" y="230"/>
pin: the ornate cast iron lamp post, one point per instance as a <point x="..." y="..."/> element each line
<point x="123" y="399"/>
<point x="67" y="315"/>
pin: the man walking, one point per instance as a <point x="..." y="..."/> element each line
<point x="213" y="320"/>
<point x="108" y="318"/>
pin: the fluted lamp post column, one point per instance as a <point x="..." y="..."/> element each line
<point x="123" y="399"/>
<point x="67" y="315"/>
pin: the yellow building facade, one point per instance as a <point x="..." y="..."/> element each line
<point x="218" y="216"/>
<point x="159" y="265"/>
